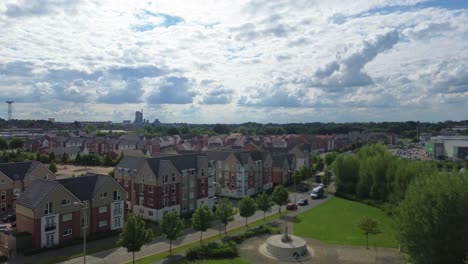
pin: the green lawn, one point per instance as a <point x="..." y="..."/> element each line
<point x="217" y="261"/>
<point x="335" y="222"/>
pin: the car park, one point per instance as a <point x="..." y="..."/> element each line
<point x="303" y="202"/>
<point x="291" y="206"/>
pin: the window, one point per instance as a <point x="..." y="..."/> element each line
<point x="202" y="183"/>
<point x="103" y="209"/>
<point x="142" y="188"/>
<point x="150" y="213"/>
<point x="3" y="195"/>
<point x="84" y="221"/>
<point x="165" y="178"/>
<point x="116" y="195"/>
<point x="164" y="190"/>
<point x="232" y="185"/>
<point x="173" y="177"/>
<point x="67" y="232"/>
<point x="150" y="188"/>
<point x="202" y="193"/>
<point x="117" y="221"/>
<point x="66" y="217"/>
<point x="173" y="200"/>
<point x="3" y="206"/>
<point x="2" y="181"/>
<point x="150" y="201"/>
<point x="173" y="188"/>
<point x="66" y="202"/>
<point x="85" y="204"/>
<point x="193" y="172"/>
<point x="165" y="202"/>
<point x="103" y="195"/>
<point x="49" y="208"/>
<point x="102" y="223"/>
<point x="142" y="200"/>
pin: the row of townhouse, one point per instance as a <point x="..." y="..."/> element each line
<point x="54" y="212"/>
<point x="15" y="178"/>
<point x="240" y="173"/>
<point x="168" y="182"/>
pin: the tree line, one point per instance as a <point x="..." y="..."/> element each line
<point x="427" y="199"/>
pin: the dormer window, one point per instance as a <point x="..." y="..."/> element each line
<point x="117" y="195"/>
<point x="66" y="202"/>
<point x="104" y="195"/>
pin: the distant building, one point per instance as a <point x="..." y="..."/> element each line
<point x="448" y="147"/>
<point x="138" y="117"/>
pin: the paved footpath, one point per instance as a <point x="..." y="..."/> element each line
<point x="120" y="255"/>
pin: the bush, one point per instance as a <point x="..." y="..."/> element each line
<point x="259" y="230"/>
<point x="212" y="250"/>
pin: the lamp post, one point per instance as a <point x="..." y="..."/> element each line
<point x="84" y="229"/>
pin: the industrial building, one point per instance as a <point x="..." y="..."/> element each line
<point x="448" y="147"/>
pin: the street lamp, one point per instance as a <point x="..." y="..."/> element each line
<point x="84" y="229"/>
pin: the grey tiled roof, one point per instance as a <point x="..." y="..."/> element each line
<point x="17" y="171"/>
<point x="36" y="193"/>
<point x="84" y="187"/>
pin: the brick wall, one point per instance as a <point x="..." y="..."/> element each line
<point x="29" y="225"/>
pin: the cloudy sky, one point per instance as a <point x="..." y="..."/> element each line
<point x="235" y="61"/>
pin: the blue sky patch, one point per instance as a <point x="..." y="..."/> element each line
<point x="150" y="20"/>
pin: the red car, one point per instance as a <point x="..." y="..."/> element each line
<point x="291" y="206"/>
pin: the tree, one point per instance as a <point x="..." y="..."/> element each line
<point x="171" y="226"/>
<point x="134" y="234"/>
<point x="369" y="227"/>
<point x="264" y="203"/>
<point x="330" y="157"/>
<point x="3" y="144"/>
<point x="202" y="219"/>
<point x="78" y="158"/>
<point x="225" y="212"/>
<point x="172" y="131"/>
<point x="51" y="157"/>
<point x="107" y="160"/>
<point x="53" y="167"/>
<point x="185" y="130"/>
<point x="280" y="196"/>
<point x="247" y="207"/>
<point x="64" y="158"/>
<point x="16" y="143"/>
<point x="220" y="129"/>
<point x="431" y="220"/>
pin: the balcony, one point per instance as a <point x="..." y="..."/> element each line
<point x="50" y="227"/>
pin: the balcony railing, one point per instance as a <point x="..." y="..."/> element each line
<point x="50" y="227"/>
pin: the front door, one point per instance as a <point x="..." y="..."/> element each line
<point x="49" y="240"/>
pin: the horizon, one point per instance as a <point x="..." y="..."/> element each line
<point x="232" y="63"/>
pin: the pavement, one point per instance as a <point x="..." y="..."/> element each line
<point x="120" y="255"/>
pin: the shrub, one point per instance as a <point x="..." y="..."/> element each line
<point x="213" y="250"/>
<point x="259" y="230"/>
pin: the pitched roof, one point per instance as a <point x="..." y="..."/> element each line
<point x="17" y="171"/>
<point x="84" y="187"/>
<point x="36" y="193"/>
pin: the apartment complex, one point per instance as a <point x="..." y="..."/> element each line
<point x="52" y="211"/>
<point x="240" y="173"/>
<point x="16" y="177"/>
<point x="168" y="182"/>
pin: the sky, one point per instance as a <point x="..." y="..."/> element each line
<point x="216" y="61"/>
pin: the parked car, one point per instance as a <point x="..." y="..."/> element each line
<point x="303" y="202"/>
<point x="9" y="218"/>
<point x="291" y="206"/>
<point x="317" y="192"/>
<point x="215" y="199"/>
<point x="3" y="228"/>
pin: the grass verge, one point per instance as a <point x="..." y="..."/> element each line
<point x="335" y="222"/>
<point x="181" y="249"/>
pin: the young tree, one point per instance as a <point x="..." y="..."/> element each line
<point x="280" y="196"/>
<point x="202" y="219"/>
<point x="247" y="207"/>
<point x="369" y="227"/>
<point x="16" y="143"/>
<point x="225" y="212"/>
<point x="53" y="167"/>
<point x="78" y="160"/>
<point x="134" y="234"/>
<point x="51" y="157"/>
<point x="171" y="226"/>
<point x="107" y="160"/>
<point x="64" y="158"/>
<point x="264" y="203"/>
